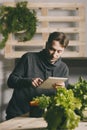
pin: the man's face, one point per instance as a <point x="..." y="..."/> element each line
<point x="55" y="50"/>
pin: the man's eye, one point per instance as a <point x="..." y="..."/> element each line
<point x="59" y="51"/>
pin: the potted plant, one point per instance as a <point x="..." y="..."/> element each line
<point x="59" y="110"/>
<point x="16" y="20"/>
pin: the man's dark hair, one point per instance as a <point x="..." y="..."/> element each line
<point x="58" y="36"/>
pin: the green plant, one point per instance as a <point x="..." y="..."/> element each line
<point x="80" y="91"/>
<point x="16" y="19"/>
<point x="60" y="109"/>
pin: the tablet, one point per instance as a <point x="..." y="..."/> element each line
<point x="48" y="83"/>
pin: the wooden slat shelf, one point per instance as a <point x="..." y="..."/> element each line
<point x="50" y="17"/>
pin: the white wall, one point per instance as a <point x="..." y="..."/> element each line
<point x="7" y="65"/>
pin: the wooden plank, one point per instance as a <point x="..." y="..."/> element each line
<point x="70" y="54"/>
<point x="44" y="12"/>
<point x="60" y="18"/>
<point x="14" y="54"/>
<point x="35" y="43"/>
<point x="17" y="54"/>
<point x="49" y="5"/>
<point x="82" y="34"/>
<point x="23" y="123"/>
<point x="8" y="47"/>
<point x="66" y="30"/>
<point x="75" y="43"/>
<point x="42" y="43"/>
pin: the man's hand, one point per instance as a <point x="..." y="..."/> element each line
<point x="60" y="84"/>
<point x="37" y="82"/>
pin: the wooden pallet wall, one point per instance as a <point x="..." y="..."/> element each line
<point x="65" y="17"/>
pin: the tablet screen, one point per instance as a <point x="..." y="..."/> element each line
<point x="48" y="83"/>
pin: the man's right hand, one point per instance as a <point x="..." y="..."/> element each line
<point x="37" y="82"/>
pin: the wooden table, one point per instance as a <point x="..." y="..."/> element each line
<point x="27" y="123"/>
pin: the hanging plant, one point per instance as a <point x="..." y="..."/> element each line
<point x="17" y="19"/>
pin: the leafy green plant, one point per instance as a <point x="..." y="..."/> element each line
<point x="60" y="109"/>
<point x="15" y="20"/>
<point x="80" y="91"/>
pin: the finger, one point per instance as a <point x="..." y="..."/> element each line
<point x="34" y="82"/>
<point x="40" y="80"/>
<point x="60" y="84"/>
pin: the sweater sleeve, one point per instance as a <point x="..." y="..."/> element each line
<point x="16" y="78"/>
<point x="66" y="74"/>
<point x="47" y="92"/>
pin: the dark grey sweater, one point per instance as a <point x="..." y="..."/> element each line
<point x="31" y="65"/>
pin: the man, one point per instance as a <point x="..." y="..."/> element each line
<point x="31" y="71"/>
